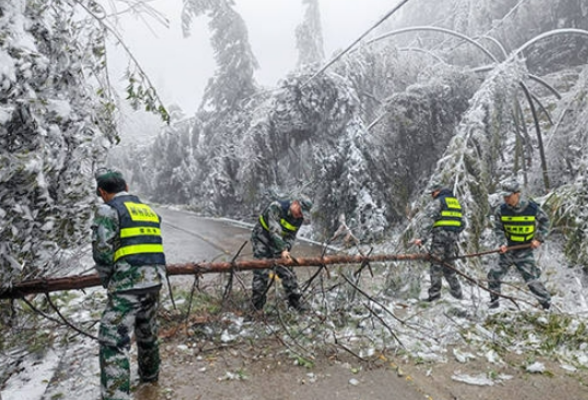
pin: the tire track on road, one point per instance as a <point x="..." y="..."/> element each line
<point x="199" y="236"/>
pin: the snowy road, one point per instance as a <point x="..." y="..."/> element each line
<point x="72" y="373"/>
<point x="248" y="369"/>
<point x="189" y="238"/>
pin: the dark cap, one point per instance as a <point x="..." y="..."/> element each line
<point x="435" y="186"/>
<point x="510" y="187"/>
<point x="305" y="203"/>
<point x="110" y="181"/>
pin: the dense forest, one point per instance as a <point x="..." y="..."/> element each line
<point x="463" y="92"/>
<point x="469" y="93"/>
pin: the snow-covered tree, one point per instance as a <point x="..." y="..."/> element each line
<point x="54" y="127"/>
<point x="377" y="72"/>
<point x="417" y="126"/>
<point x="57" y="120"/>
<point x="309" y="138"/>
<point x="309" y="36"/>
<point x="567" y="147"/>
<point x="350" y="187"/>
<point x="222" y="113"/>
<point x="233" y="80"/>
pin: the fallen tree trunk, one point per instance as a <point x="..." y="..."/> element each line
<point x="46" y="285"/>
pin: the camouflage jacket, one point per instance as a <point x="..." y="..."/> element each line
<point x="542" y="221"/>
<point x="119" y="276"/>
<point x="276" y="239"/>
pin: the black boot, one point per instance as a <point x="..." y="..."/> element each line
<point x="494" y="302"/>
<point x="151" y="379"/>
<point x="296" y="303"/>
<point x="257" y="302"/>
<point x="433" y="297"/>
<point x="456" y="293"/>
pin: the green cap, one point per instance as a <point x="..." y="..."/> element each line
<point x="109" y="180"/>
<point x="104" y="174"/>
<point x="510" y="187"/>
<point x="305" y="203"/>
<point x="435" y="186"/>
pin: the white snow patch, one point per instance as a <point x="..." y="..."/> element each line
<point x="569" y="368"/>
<point x="477" y="380"/>
<point x="463" y="357"/>
<point x="536" y="367"/>
<point x="5" y="112"/>
<point x="31" y="382"/>
<point x="583" y="359"/>
<point x="7" y="68"/>
<point x="60" y="107"/>
<point x="493" y="357"/>
<point x="227" y="337"/>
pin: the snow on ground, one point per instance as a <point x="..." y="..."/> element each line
<point x="32" y="380"/>
<point x="78" y="375"/>
<point x="461" y="329"/>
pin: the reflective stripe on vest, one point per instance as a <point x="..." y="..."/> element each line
<point x="451" y="214"/>
<point x="138" y="249"/>
<point x="131" y="232"/>
<point x="286" y="226"/>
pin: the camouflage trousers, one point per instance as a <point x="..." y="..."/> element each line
<point x="444" y="247"/>
<point x="125" y="313"/>
<point x="524" y="261"/>
<point x="260" y="281"/>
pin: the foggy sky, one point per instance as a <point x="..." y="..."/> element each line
<point x="180" y="67"/>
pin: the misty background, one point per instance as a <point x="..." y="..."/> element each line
<point x="180" y="66"/>
<point x="247" y="109"/>
<point x="244" y="107"/>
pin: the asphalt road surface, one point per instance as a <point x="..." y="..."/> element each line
<point x="189" y="238"/>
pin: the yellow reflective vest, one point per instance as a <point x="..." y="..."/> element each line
<point x="519" y="228"/>
<point x="140" y="241"/>
<point x="288" y="227"/>
<point x="450" y="218"/>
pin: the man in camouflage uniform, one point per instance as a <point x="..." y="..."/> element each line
<point x="520" y="222"/>
<point x="128" y="252"/>
<point x="443" y="221"/>
<point x="273" y="237"/>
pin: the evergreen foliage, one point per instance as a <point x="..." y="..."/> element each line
<point x="57" y="120"/>
<point x="376" y="72"/>
<point x="233" y="80"/>
<point x="568" y="150"/>
<point x="362" y="139"/>
<point x="309" y="36"/>
<point x="295" y="138"/>
<point x="308" y="132"/>
<point x="53" y="129"/>
<point x="415" y="131"/>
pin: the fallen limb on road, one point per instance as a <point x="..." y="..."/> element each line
<point x="46" y="285"/>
